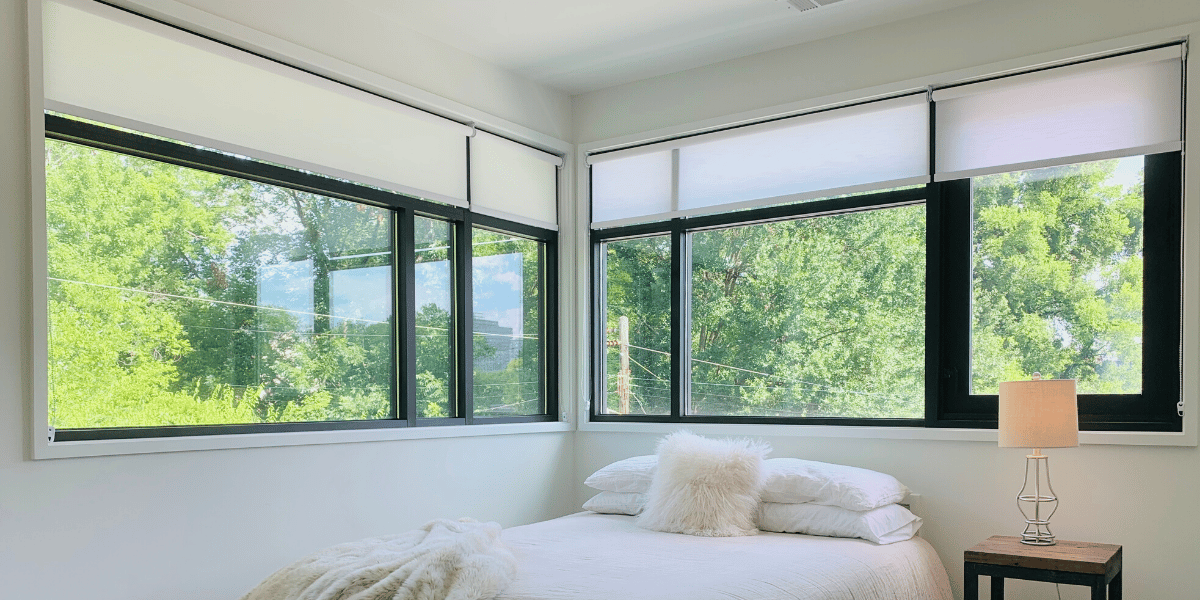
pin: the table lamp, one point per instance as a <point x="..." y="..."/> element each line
<point x="1041" y="413"/>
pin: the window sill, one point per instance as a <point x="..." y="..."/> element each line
<point x="44" y="449"/>
<point x="1121" y="438"/>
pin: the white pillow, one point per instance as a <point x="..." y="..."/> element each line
<point x="704" y="486"/>
<point x="792" y="480"/>
<point x="629" y="475"/>
<point x="883" y="525"/>
<point x="616" y="503"/>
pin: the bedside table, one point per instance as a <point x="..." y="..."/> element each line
<point x="1074" y="563"/>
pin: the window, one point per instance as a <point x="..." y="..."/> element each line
<point x="236" y="245"/>
<point x="807" y="312"/>
<point x="192" y="292"/>
<point x="637" y="327"/>
<point x="509" y="342"/>
<point x="816" y="317"/>
<point x="1044" y="236"/>
<point x="1053" y="270"/>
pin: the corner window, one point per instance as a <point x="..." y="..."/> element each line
<point x="192" y="292"/>
<point x="976" y="234"/>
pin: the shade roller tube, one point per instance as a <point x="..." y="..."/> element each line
<point x="514" y="181"/>
<point x="786" y="160"/>
<point x="106" y="64"/>
<point x="1107" y="108"/>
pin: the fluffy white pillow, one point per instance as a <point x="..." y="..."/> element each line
<point x="792" y="480"/>
<point x="616" y="503"/>
<point x="704" y="486"/>
<point x="883" y="525"/>
<point x="629" y="475"/>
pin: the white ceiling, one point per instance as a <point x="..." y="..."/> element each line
<point x="579" y="46"/>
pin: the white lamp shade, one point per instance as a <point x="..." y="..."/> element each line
<point x="1038" y="414"/>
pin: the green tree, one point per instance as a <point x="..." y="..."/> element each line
<point x="1058" y="278"/>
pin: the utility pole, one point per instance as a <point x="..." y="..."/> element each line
<point x="624" y="376"/>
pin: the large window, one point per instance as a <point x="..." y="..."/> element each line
<point x="194" y="292"/>
<point x="812" y="312"/>
<point x="816" y="317"/>
<point x="1072" y="272"/>
<point x="977" y="234"/>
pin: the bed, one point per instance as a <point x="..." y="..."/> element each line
<point x="591" y="556"/>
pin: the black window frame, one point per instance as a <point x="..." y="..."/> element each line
<point x="1156" y="408"/>
<point x="679" y="228"/>
<point x="948" y="309"/>
<point x="403" y="210"/>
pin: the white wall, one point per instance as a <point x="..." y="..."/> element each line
<point x="210" y="525"/>
<point x="1141" y="497"/>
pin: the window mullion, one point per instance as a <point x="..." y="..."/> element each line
<point x="404" y="275"/>
<point x="680" y="319"/>
<point x="1162" y="286"/>
<point x="951" y="203"/>
<point x="548" y="308"/>
<point x="464" y="317"/>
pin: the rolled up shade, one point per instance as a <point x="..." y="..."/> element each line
<point x="632" y="186"/>
<point x="868" y="146"/>
<point x="513" y="181"/>
<point x="109" y="65"/>
<point x="1121" y="106"/>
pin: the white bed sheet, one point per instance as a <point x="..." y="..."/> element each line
<point x="589" y="556"/>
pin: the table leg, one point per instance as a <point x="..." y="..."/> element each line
<point x="997" y="587"/>
<point x="970" y="583"/>
<point x="1098" y="589"/>
<point x="1114" y="587"/>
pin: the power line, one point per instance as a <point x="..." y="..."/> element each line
<point x="792" y="381"/>
<point x="212" y="301"/>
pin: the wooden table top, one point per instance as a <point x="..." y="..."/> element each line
<point x="1072" y="557"/>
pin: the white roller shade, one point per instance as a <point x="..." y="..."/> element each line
<point x="1121" y="106"/>
<point x="105" y="64"/>
<point x="868" y="146"/>
<point x="629" y="187"/>
<point x="514" y="181"/>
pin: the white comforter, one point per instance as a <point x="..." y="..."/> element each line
<point x="589" y="556"/>
<point x="444" y="560"/>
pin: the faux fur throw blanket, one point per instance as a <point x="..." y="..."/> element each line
<point x="444" y="560"/>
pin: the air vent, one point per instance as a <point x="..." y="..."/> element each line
<point x="803" y="5"/>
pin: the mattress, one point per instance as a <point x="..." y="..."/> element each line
<point x="589" y="556"/>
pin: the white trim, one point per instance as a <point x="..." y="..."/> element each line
<point x="39" y="297"/>
<point x="499" y="214"/>
<point x="44" y="449"/>
<point x="252" y="153"/>
<point x="1065" y="160"/>
<point x="761" y="202"/>
<point x="1088" y="438"/>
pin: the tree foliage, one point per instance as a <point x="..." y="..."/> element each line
<point x="155" y="278"/>
<point x="825" y="316"/>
